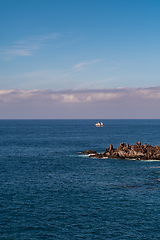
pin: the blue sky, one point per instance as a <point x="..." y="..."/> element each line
<point x="79" y="44"/>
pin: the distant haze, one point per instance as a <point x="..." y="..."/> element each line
<point x="81" y="104"/>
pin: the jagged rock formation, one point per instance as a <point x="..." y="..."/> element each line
<point x="126" y="151"/>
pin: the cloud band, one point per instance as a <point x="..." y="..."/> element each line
<point x="103" y="103"/>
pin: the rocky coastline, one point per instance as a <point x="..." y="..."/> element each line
<point x="126" y="151"/>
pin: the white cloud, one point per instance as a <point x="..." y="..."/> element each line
<point x="80" y="66"/>
<point x="80" y="96"/>
<point x="26" y="47"/>
<point x="85" y="103"/>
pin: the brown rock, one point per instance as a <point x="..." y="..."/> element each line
<point x="89" y="152"/>
<point x="137" y="151"/>
<point x="111" y="147"/>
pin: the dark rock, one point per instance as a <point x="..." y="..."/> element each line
<point x="89" y="152"/>
<point x="126" y="151"/>
<point x="110" y="147"/>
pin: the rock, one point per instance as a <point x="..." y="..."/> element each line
<point x="89" y="152"/>
<point x="111" y="147"/>
<point x="126" y="151"/>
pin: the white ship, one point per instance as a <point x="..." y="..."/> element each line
<point x="99" y="124"/>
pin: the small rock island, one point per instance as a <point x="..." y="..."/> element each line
<point x="126" y="151"/>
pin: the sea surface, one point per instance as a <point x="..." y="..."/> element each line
<point x="49" y="190"/>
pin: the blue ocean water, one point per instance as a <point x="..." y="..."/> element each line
<point x="49" y="190"/>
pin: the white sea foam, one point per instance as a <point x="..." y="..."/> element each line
<point x="84" y="155"/>
<point x="156" y="166"/>
<point x="151" y="160"/>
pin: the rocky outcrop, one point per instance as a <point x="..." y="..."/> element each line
<point x="126" y="151"/>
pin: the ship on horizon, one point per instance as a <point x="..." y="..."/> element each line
<point x="99" y="124"/>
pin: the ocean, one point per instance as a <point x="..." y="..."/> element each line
<point x="49" y="190"/>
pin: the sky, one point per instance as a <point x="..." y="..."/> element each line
<point x="79" y="59"/>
